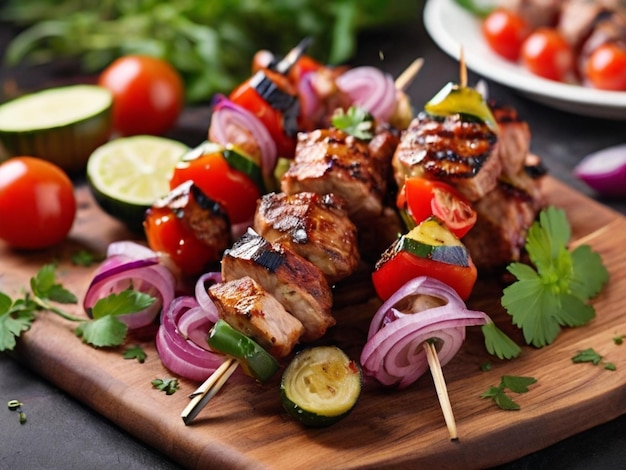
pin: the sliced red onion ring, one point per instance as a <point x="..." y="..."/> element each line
<point x="393" y="353"/>
<point x="177" y="351"/>
<point x="605" y="171"/>
<point x="202" y="296"/>
<point x="232" y="124"/>
<point x="131" y="250"/>
<point x="371" y="89"/>
<point x="309" y="101"/>
<point x="119" y="272"/>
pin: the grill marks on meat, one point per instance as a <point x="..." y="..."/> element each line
<point x="450" y="149"/>
<point x="294" y="281"/>
<point x="315" y="226"/>
<point x="247" y="307"/>
<point x="331" y="161"/>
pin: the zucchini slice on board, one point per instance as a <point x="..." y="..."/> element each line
<point x="321" y="386"/>
<point x="63" y="125"/>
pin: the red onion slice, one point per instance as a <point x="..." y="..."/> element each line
<point x="202" y="296"/>
<point x="393" y="353"/>
<point x="371" y="89"/>
<point x="118" y="273"/>
<point x="179" y="354"/>
<point x="232" y="124"/>
<point x="131" y="250"/>
<point x="605" y="171"/>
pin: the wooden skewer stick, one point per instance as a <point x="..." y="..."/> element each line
<point x="462" y="70"/>
<point x="208" y="389"/>
<point x="406" y="77"/>
<point x="440" y="386"/>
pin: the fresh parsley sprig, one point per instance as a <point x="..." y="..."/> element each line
<point x="555" y="292"/>
<point x="356" y="122"/>
<point x="105" y="329"/>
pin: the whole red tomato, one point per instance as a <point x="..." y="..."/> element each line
<point x="148" y="94"/>
<point x="606" y="67"/>
<point x="547" y="54"/>
<point x="505" y="31"/>
<point x="37" y="203"/>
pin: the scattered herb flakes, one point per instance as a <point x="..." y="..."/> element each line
<point x="555" y="292"/>
<point x="619" y="340"/>
<point x="356" y="122"/>
<point x="169" y="386"/>
<point x="590" y="355"/>
<point x="135" y="352"/>
<point x="485" y="366"/>
<point x="512" y="383"/>
<point x="85" y="258"/>
<point x="16" y="405"/>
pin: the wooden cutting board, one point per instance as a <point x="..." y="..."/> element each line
<point x="245" y="426"/>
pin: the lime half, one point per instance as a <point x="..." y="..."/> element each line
<point x="127" y="175"/>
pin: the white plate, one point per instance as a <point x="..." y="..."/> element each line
<point x="451" y="27"/>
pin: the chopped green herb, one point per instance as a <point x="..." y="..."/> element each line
<point x="85" y="258"/>
<point x="541" y="301"/>
<point x="16" y="405"/>
<point x="476" y="7"/>
<point x="356" y="122"/>
<point x="485" y="366"/>
<point x="135" y="352"/>
<point x="169" y="386"/>
<point x="619" y="339"/>
<point x="498" y="343"/>
<point x="514" y="384"/>
<point x="590" y="355"/>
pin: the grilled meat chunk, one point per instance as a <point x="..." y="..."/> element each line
<point x="315" y="226"/>
<point x="513" y="139"/>
<point x="504" y="216"/>
<point x="294" y="281"/>
<point x="331" y="161"/>
<point x="579" y="18"/>
<point x="199" y="214"/>
<point x="247" y="307"/>
<point x="450" y="149"/>
<point x="537" y="13"/>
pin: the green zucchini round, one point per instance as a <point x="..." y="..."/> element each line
<point x="63" y="125"/>
<point x="321" y="386"/>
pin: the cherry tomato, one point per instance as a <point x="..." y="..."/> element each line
<point x="234" y="190"/>
<point x="547" y="54"/>
<point x="37" y="203"/>
<point x="166" y="233"/>
<point x="281" y="124"/>
<point x="606" y="68"/>
<point x="505" y="31"/>
<point x="423" y="198"/>
<point x="148" y="94"/>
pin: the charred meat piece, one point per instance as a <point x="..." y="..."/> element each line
<point x="248" y="308"/>
<point x="504" y="216"/>
<point x="579" y="18"/>
<point x="203" y="217"/>
<point x="294" y="281"/>
<point x="513" y="139"/>
<point x="451" y="149"/>
<point x="331" y="161"/>
<point x="315" y="226"/>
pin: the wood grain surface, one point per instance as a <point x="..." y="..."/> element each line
<point x="245" y="426"/>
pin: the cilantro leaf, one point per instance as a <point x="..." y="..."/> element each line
<point x="15" y="318"/>
<point x="45" y="286"/>
<point x="126" y="301"/>
<point x="516" y="384"/>
<point x="135" y="352"/>
<point x="587" y="355"/>
<point x="553" y="295"/>
<point x="102" y="332"/>
<point x="85" y="258"/>
<point x="356" y="122"/>
<point x="498" y="343"/>
<point x="169" y="386"/>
